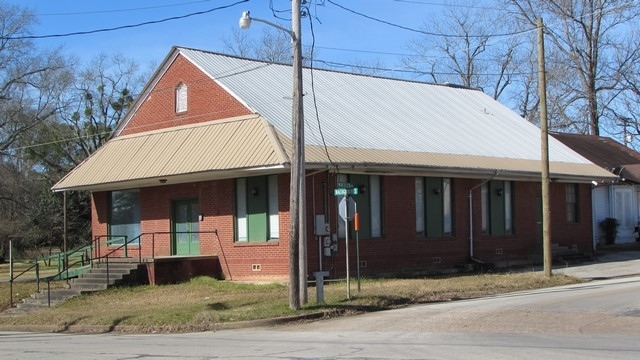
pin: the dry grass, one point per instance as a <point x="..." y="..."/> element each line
<point x="204" y="302"/>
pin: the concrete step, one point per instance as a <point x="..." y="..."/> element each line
<point x="57" y="294"/>
<point x="94" y="280"/>
<point x="103" y="276"/>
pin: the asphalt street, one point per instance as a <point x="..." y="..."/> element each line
<point x="593" y="320"/>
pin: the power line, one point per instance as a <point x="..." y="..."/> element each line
<point x="446" y="5"/>
<point x="122" y="27"/>
<point x="421" y="31"/>
<point x="123" y="10"/>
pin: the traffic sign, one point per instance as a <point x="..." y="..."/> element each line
<point x="347" y="208"/>
<point x="345" y="185"/>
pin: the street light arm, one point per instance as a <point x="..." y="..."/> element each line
<point x="245" y="22"/>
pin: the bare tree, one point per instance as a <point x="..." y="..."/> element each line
<point x="31" y="83"/>
<point x="272" y="45"/>
<point x="588" y="56"/>
<point x="467" y="47"/>
<point x="101" y="93"/>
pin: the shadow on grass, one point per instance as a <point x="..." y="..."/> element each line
<point x="373" y="303"/>
<point x="71" y="323"/>
<point x="218" y="306"/>
<point x="117" y="322"/>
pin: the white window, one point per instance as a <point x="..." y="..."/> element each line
<point x="274" y="219"/>
<point x="257" y="218"/>
<point x="241" y="209"/>
<point x="181" y="98"/>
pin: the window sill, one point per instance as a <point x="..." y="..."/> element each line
<point x="263" y="243"/>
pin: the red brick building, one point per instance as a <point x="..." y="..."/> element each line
<point x="199" y="168"/>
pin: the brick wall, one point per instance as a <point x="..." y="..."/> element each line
<point x="206" y="101"/>
<point x="399" y="249"/>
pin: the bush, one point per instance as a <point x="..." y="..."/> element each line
<point x="609" y="227"/>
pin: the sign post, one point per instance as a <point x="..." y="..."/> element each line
<point x="347" y="210"/>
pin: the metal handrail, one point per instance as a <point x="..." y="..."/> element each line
<point x="50" y="278"/>
<point x="95" y="246"/>
<point x="37" y="266"/>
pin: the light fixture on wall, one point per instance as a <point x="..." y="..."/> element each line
<point x="362" y="189"/>
<point x="436" y="191"/>
<point x="163" y="181"/>
<point x="255" y="191"/>
<point x="499" y="192"/>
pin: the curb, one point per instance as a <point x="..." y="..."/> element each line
<point x="133" y="329"/>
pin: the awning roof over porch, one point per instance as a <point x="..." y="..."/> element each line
<point x="219" y="148"/>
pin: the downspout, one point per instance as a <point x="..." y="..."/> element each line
<point x="471" y="213"/>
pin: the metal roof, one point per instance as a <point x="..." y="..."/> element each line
<point x="188" y="153"/>
<point x="606" y="153"/>
<point x="367" y="112"/>
<point x="364" y="124"/>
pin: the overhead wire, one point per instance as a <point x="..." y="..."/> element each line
<point x="123" y="10"/>
<point x="313" y="92"/>
<point x="25" y="37"/>
<point x="422" y="31"/>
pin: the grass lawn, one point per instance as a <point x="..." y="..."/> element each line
<point x="203" y="302"/>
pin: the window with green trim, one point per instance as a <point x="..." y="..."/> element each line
<point x="257" y="218"/>
<point x="497" y="207"/>
<point x="434" y="204"/>
<point x="368" y="204"/>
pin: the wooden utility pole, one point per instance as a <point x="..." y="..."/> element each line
<point x="298" y="107"/>
<point x="296" y="199"/>
<point x="297" y="191"/>
<point x="544" y="136"/>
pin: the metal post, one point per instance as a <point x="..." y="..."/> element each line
<point x="64" y="228"/>
<point x="11" y="272"/>
<point x="346" y="245"/>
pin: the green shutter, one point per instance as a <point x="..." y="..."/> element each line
<point x="496" y="203"/>
<point x="434" y="213"/>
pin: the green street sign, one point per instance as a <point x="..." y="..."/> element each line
<point x="345" y="192"/>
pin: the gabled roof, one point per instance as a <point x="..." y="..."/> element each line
<point x="352" y="122"/>
<point x="366" y="112"/>
<point x="606" y="153"/>
<point x="181" y="154"/>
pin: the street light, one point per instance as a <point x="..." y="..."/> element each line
<point x="297" y="231"/>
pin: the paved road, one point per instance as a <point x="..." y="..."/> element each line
<point x="596" y="320"/>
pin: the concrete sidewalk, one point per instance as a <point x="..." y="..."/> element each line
<point x="607" y="265"/>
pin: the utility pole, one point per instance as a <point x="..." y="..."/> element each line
<point x="546" y="210"/>
<point x="297" y="190"/>
<point x="296" y="199"/>
<point x="299" y="150"/>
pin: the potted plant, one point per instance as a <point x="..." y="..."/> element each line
<point x="609" y="227"/>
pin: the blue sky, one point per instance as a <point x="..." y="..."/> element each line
<point x="359" y="38"/>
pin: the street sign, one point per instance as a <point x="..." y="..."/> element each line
<point x="345" y="191"/>
<point x="345" y="185"/>
<point x="346" y="208"/>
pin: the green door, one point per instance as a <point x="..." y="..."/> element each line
<point x="185" y="227"/>
<point x="257" y="208"/>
